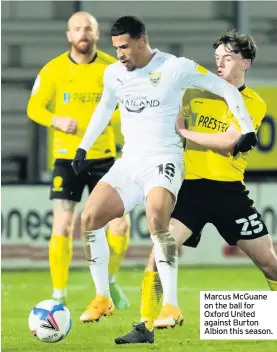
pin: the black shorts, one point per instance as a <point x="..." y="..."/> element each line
<point x="68" y="186"/>
<point x="226" y="205"/>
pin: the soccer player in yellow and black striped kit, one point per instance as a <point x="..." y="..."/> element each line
<point x="213" y="190"/>
<point x="65" y="94"/>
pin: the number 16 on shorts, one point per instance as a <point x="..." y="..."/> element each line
<point x="238" y="315"/>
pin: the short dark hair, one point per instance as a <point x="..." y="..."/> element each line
<point x="128" y="25"/>
<point x="240" y="43"/>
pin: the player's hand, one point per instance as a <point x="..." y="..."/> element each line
<point x="78" y="161"/>
<point x="65" y="124"/>
<point x="246" y="142"/>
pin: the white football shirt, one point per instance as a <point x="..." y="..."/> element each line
<point x="149" y="100"/>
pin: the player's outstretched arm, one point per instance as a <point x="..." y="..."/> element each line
<point x="196" y="76"/>
<point x="99" y="120"/>
<point x="223" y="141"/>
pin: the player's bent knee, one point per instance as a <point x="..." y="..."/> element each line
<point x="91" y="220"/>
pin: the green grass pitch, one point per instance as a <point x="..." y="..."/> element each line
<point x="22" y="290"/>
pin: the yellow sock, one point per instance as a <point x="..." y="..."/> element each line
<point x="272" y="284"/>
<point x="151" y="294"/>
<point x="60" y="254"/>
<point x="118" y="246"/>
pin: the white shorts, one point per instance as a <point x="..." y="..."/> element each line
<point x="134" y="177"/>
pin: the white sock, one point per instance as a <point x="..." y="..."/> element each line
<point x="59" y="293"/>
<point x="168" y="272"/>
<point x="97" y="254"/>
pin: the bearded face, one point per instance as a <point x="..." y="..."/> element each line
<point x="82" y="34"/>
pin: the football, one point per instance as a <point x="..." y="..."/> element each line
<point x="50" y="321"/>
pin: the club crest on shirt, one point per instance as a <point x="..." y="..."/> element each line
<point x="155" y="78"/>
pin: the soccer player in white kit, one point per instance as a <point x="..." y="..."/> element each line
<point x="148" y="85"/>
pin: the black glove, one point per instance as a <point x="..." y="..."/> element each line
<point x="245" y="143"/>
<point x="78" y="161"/>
